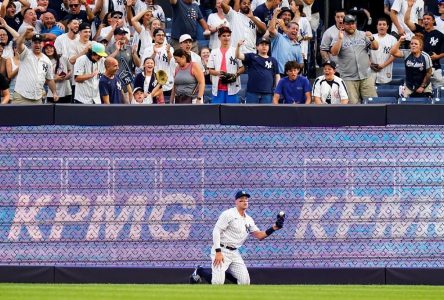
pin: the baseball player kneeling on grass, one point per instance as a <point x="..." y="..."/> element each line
<point x="231" y="230"/>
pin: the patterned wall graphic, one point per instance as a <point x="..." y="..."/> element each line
<point x="149" y="196"/>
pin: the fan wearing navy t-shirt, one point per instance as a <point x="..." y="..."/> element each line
<point x="263" y="72"/>
<point x="433" y="42"/>
<point x="294" y="89"/>
<point x="110" y="87"/>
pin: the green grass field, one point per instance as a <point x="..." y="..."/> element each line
<point x="232" y="292"/>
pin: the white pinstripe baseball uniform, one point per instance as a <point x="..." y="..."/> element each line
<point x="87" y="91"/>
<point x="381" y="55"/>
<point x="231" y="231"/>
<point x="162" y="63"/>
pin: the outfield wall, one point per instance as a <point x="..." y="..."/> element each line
<point x="135" y="192"/>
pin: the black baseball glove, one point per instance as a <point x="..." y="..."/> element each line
<point x="227" y="78"/>
<point x="280" y="221"/>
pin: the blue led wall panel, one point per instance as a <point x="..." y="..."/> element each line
<point x="149" y="196"/>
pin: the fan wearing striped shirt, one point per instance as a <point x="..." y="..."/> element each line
<point x="329" y="88"/>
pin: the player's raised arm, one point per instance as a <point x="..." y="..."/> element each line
<point x="260" y="235"/>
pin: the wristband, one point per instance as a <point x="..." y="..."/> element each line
<point x="218" y="250"/>
<point x="269" y="231"/>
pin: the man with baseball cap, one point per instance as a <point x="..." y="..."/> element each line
<point x="433" y="42"/>
<point x="116" y="22"/>
<point x="35" y="71"/>
<point x="329" y="88"/>
<point x="225" y="69"/>
<point x="231" y="230"/>
<point x="285" y="47"/>
<point x="87" y="71"/>
<point x="263" y="72"/>
<point x="186" y="44"/>
<point x="352" y="48"/>
<point x="127" y="57"/>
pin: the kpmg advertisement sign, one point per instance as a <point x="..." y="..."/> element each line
<point x="149" y="196"/>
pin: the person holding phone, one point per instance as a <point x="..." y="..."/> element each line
<point x="61" y="74"/>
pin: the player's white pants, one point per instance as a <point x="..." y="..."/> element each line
<point x="234" y="263"/>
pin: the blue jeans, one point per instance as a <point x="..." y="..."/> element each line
<point x="252" y="98"/>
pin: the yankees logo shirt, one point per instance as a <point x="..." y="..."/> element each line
<point x="243" y="29"/>
<point x="433" y="43"/>
<point x="381" y="55"/>
<point x="261" y="73"/>
<point x="417" y="12"/>
<point x="232" y="64"/>
<point x="111" y="87"/>
<point x="32" y="74"/>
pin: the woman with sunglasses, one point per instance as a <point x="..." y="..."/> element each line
<point x="75" y="12"/>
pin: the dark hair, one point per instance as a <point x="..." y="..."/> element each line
<point x="55" y="56"/>
<point x="157" y="30"/>
<point x="26" y="10"/>
<point x="300" y="6"/>
<point x="149" y="57"/>
<point x="382" y="19"/>
<point x="340" y="10"/>
<point x="290" y="65"/>
<point x="182" y="53"/>
<point x="105" y="18"/>
<point x="203" y="48"/>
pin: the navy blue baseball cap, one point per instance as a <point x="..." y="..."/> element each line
<point x="241" y="194"/>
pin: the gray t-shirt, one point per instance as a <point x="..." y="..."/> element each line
<point x="353" y="56"/>
<point x="328" y="37"/>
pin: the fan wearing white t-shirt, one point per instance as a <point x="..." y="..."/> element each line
<point x="329" y="88"/>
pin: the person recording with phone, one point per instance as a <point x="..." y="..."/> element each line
<point x="61" y="74"/>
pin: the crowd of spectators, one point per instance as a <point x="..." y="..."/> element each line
<point x="128" y="52"/>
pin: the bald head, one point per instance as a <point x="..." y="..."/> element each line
<point x="111" y="66"/>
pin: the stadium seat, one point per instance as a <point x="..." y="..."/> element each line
<point x="388" y="92"/>
<point x="438" y="101"/>
<point x="398" y="70"/>
<point x="397" y="80"/>
<point x="381" y="100"/>
<point x="387" y="86"/>
<point x="416" y="100"/>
